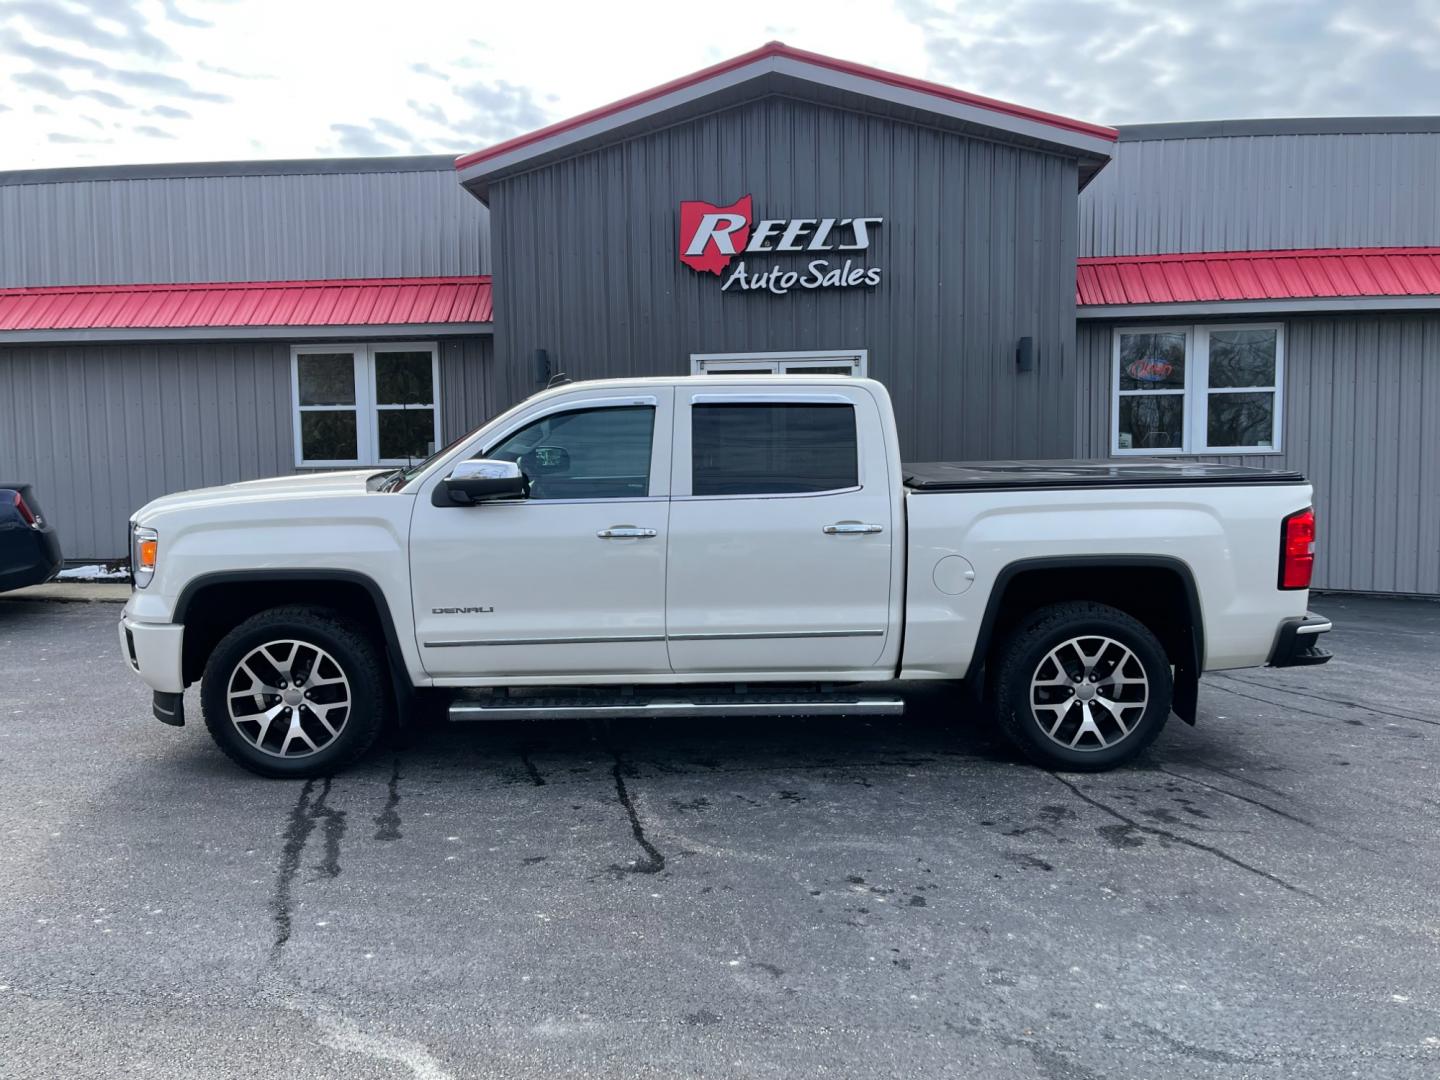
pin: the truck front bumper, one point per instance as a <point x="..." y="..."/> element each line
<point x="153" y="651"/>
<point x="1297" y="642"/>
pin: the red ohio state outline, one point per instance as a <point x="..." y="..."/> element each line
<point x="711" y="259"/>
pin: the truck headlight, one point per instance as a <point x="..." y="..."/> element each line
<point x="144" y="551"/>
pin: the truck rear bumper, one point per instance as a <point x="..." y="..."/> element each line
<point x="1297" y="642"/>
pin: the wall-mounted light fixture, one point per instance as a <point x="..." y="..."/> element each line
<point x="1025" y="354"/>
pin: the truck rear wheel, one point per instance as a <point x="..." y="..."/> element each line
<point x="295" y="692"/>
<point x="1082" y="687"/>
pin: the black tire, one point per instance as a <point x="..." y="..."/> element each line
<point x="1026" y="656"/>
<point x="350" y="650"/>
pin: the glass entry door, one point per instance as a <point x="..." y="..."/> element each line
<point x="798" y="363"/>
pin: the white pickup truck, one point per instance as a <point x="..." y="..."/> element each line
<point x="736" y="545"/>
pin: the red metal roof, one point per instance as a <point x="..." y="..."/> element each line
<point x="1258" y="275"/>
<point x="779" y="49"/>
<point x="341" y="302"/>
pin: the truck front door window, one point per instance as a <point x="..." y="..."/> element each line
<point x="585" y="454"/>
<point x="773" y="449"/>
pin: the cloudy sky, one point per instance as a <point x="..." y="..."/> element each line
<point x="96" y="81"/>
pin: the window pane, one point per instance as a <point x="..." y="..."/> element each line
<point x="772" y="449"/>
<point x="326" y="379"/>
<point x="328" y="436"/>
<point x="828" y="369"/>
<point x="1152" y="422"/>
<point x="586" y="454"/>
<point x="404" y="378"/>
<point x="1242" y="358"/>
<point x="406" y="433"/>
<point x="1241" y="420"/>
<point x="1152" y="361"/>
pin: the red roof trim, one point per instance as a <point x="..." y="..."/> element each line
<point x="779" y="49"/>
<point x="333" y="302"/>
<point x="1220" y="276"/>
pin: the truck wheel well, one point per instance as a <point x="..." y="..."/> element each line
<point x="210" y="610"/>
<point x="1158" y="592"/>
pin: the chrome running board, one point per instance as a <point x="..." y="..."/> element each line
<point x="502" y="707"/>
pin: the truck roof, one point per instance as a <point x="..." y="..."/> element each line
<point x="937" y="476"/>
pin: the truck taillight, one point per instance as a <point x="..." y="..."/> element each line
<point x="1297" y="549"/>
<point x="26" y="512"/>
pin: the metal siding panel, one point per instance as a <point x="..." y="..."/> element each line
<point x="951" y="252"/>
<point x="465" y="399"/>
<point x="241" y="228"/>
<point x="1427" y="579"/>
<point x="1245" y="193"/>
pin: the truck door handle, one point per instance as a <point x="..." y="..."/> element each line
<point x="616" y="532"/>
<point x="842" y="528"/>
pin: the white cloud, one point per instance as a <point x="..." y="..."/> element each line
<point x="277" y="78"/>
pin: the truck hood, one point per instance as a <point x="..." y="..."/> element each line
<point x="277" y="488"/>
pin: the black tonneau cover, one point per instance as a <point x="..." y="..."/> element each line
<point x="935" y="476"/>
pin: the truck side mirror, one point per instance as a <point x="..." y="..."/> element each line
<point x="482" y="480"/>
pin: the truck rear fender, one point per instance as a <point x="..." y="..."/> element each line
<point x="1156" y="589"/>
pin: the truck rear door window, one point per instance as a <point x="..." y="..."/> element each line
<point x="772" y="449"/>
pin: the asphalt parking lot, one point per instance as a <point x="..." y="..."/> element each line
<point x="1258" y="897"/>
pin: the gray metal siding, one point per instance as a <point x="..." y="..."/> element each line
<point x="1257" y="192"/>
<point x="103" y="429"/>
<point x="977" y="248"/>
<point x="1361" y="421"/>
<point x="467" y="393"/>
<point x="241" y="228"/>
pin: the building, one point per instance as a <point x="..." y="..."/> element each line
<point x="1026" y="285"/>
<point x="1292" y="268"/>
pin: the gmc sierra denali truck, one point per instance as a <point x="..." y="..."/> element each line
<point x="740" y="546"/>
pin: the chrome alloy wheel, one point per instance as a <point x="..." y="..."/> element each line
<point x="288" y="698"/>
<point x="1089" y="693"/>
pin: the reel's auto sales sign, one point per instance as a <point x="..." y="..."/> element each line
<point x="711" y="238"/>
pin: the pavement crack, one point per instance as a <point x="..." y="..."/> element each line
<point x="1274" y="704"/>
<point x="1266" y="806"/>
<point x="1200" y="1053"/>
<point x="1321" y="698"/>
<point x="303" y="818"/>
<point x="1241" y="779"/>
<point x="1166" y="834"/>
<point x="1243" y="798"/>
<point x="1050" y="1062"/>
<point x="329" y="864"/>
<point x="653" y="862"/>
<point x="530" y="770"/>
<point x="387" y="822"/>
<point x="298" y="828"/>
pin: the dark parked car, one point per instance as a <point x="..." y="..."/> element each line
<point x="29" y="548"/>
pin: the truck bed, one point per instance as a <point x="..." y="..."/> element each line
<point x="941" y="476"/>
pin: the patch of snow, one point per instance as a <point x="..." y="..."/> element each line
<point x="93" y="572"/>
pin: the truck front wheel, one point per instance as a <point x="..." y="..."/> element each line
<point x="295" y="692"/>
<point x="1082" y="687"/>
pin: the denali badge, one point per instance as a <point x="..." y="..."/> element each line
<point x="461" y="610"/>
<point x="711" y="236"/>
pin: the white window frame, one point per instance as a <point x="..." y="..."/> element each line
<point x="1197" y="391"/>
<point x="770" y="363"/>
<point x="367" y="410"/>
